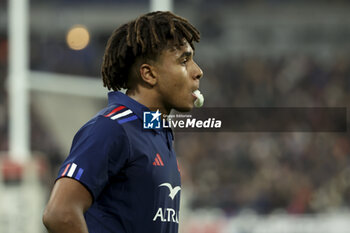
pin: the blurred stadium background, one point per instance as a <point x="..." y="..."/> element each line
<point x="254" y="53"/>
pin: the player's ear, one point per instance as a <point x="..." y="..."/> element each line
<point x="148" y="74"/>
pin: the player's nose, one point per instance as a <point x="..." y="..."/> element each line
<point x="198" y="71"/>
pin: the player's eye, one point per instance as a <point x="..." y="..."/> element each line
<point x="184" y="61"/>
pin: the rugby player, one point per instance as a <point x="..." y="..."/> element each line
<point x="118" y="176"/>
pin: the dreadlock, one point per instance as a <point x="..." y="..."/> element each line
<point x="144" y="37"/>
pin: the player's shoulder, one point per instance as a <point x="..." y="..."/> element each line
<point x="119" y="114"/>
<point x="111" y="118"/>
<point x="108" y="123"/>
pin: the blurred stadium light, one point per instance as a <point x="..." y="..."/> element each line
<point x="78" y="37"/>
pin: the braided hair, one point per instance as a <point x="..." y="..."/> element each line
<point x="144" y="38"/>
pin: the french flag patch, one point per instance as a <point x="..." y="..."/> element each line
<point x="70" y="171"/>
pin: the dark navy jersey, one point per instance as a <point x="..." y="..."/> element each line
<point x="131" y="172"/>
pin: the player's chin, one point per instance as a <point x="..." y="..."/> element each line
<point x="185" y="108"/>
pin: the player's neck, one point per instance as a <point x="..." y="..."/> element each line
<point x="148" y="99"/>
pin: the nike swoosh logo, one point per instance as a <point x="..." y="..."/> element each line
<point x="173" y="191"/>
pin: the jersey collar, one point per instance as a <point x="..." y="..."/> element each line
<point x="116" y="98"/>
<point x="119" y="98"/>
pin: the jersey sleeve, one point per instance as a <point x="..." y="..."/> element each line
<point x="99" y="150"/>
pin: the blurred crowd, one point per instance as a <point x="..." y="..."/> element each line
<point x="292" y="172"/>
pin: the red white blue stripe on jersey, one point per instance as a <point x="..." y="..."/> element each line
<point x="70" y="170"/>
<point x="121" y="114"/>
